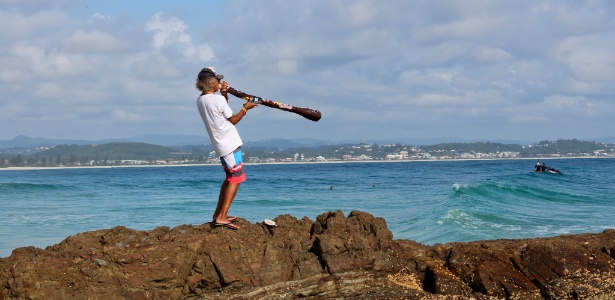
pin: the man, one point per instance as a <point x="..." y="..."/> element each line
<point x="220" y="123"/>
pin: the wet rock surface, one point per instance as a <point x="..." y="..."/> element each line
<point x="334" y="257"/>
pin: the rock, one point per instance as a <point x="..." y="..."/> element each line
<point x="334" y="257"/>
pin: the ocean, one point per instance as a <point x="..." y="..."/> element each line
<point x="425" y="201"/>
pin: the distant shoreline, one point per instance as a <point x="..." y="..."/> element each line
<point x="297" y="162"/>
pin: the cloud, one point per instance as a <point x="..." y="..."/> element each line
<point x="491" y="55"/>
<point x="26" y="62"/>
<point x="560" y="102"/>
<point x="94" y="42"/>
<point x="436" y="78"/>
<point x="393" y="69"/>
<point x="50" y="90"/>
<point x="122" y="115"/>
<point x="465" y="28"/>
<point x="589" y="57"/>
<point x="19" y="25"/>
<point x="571" y="105"/>
<point x="170" y="31"/>
<point x="98" y="17"/>
<point x="288" y="67"/>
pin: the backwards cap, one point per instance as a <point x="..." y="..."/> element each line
<point x="209" y="72"/>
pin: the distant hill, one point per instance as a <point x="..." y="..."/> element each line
<point x="170" y="140"/>
<point x="609" y="140"/>
<point x="114" y="151"/>
<point x="283" y="144"/>
<point x="24" y="142"/>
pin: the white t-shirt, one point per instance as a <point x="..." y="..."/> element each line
<point x="215" y="112"/>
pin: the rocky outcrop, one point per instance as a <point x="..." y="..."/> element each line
<point x="334" y="257"/>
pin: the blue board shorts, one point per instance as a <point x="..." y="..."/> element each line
<point x="233" y="167"/>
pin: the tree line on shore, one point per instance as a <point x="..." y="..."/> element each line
<point x="126" y="152"/>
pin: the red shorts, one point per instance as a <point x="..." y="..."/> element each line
<point x="233" y="167"/>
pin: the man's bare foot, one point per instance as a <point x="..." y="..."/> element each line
<point x="228" y="219"/>
<point x="227" y="225"/>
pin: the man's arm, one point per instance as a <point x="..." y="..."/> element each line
<point x="234" y="119"/>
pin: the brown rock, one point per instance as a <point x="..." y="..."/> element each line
<point x="336" y="256"/>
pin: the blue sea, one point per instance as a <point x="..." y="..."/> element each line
<point x="426" y="201"/>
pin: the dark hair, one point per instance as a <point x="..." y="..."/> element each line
<point x="205" y="84"/>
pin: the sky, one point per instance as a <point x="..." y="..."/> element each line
<point x="483" y="70"/>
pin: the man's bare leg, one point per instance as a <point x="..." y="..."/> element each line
<point x="227" y="194"/>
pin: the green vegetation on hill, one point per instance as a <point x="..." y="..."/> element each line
<point x="104" y="154"/>
<point x="112" y="151"/>
<point x="572" y="147"/>
<point x="450" y="150"/>
<point x="483" y="147"/>
<point x="143" y="153"/>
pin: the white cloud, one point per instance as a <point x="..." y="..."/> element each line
<point x="202" y="53"/>
<point x="359" y="13"/>
<point x="97" y="17"/>
<point x="428" y="78"/>
<point x="94" y="42"/>
<point x="560" y="101"/>
<point x="19" y="25"/>
<point x="571" y="105"/>
<point x="591" y="58"/>
<point x="122" y="115"/>
<point x="168" y="30"/>
<point x="468" y="27"/>
<point x="472" y="68"/>
<point x="149" y="66"/>
<point x="34" y="62"/>
<point x="50" y="90"/>
<point x="491" y="55"/>
<point x="287" y="67"/>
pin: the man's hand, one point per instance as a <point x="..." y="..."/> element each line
<point x="250" y="105"/>
<point x="224" y="86"/>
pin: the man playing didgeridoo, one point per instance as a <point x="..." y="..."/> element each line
<point x="220" y="123"/>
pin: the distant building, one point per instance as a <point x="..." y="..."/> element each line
<point x="398" y="156"/>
